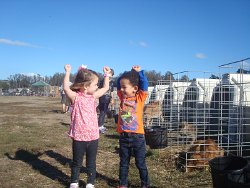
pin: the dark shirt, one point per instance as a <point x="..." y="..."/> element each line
<point x="106" y="98"/>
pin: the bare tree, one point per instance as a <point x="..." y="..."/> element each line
<point x="184" y="78"/>
<point x="153" y="77"/>
<point x="168" y="76"/>
<point x="214" y="76"/>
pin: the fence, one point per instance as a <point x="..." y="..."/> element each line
<point x="206" y="117"/>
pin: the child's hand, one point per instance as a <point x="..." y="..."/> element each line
<point x="106" y="70"/>
<point x="137" y="68"/>
<point x="67" y="68"/>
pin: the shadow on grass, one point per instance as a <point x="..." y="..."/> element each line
<point x="110" y="125"/>
<point x="65" y="124"/>
<point x="55" y="111"/>
<point x="112" y="136"/>
<point x="52" y="111"/>
<point x="60" y="158"/>
<point x="64" y="161"/>
<point x="43" y="167"/>
<point x="52" y="172"/>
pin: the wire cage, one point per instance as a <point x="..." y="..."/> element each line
<point x="230" y="118"/>
<point x="207" y="116"/>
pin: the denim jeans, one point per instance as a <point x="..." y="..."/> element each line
<point x="103" y="107"/>
<point x="131" y="142"/>
<point x="79" y="149"/>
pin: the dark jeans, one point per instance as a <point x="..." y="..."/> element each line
<point x="131" y="142"/>
<point x="79" y="149"/>
<point x="103" y="107"/>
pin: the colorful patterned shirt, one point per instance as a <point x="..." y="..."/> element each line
<point x="84" y="123"/>
<point x="131" y="113"/>
<point x="130" y="118"/>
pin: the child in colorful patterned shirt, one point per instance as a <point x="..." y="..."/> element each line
<point x="84" y="129"/>
<point x="132" y="89"/>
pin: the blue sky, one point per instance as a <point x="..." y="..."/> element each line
<point x="40" y="36"/>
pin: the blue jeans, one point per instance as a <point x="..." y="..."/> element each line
<point x="79" y="149"/>
<point x="131" y="142"/>
<point x="103" y="107"/>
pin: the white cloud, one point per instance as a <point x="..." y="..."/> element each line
<point x="200" y="56"/>
<point x="17" y="43"/>
<point x="143" y="44"/>
<point x="140" y="44"/>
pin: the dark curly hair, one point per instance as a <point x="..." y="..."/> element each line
<point x="132" y="76"/>
<point x="84" y="77"/>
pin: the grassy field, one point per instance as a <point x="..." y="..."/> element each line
<point x="36" y="152"/>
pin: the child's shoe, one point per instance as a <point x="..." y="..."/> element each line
<point x="102" y="129"/>
<point x="74" y="185"/>
<point x="122" y="187"/>
<point x="89" y="185"/>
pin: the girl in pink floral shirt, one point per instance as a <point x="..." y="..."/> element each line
<point x="84" y="129"/>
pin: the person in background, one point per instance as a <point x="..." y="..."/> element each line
<point x="84" y="129"/>
<point x="64" y="100"/>
<point x="104" y="103"/>
<point x="116" y="106"/>
<point x="132" y="91"/>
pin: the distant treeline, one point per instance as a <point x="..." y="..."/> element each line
<point x="24" y="81"/>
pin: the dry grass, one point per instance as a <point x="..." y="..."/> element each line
<point x="35" y="151"/>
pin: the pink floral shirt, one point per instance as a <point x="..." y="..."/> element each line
<point x="84" y="123"/>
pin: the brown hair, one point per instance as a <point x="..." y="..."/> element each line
<point x="83" y="78"/>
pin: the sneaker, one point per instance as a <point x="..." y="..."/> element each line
<point x="122" y="187"/>
<point x="74" y="185"/>
<point x="89" y="185"/>
<point x="102" y="129"/>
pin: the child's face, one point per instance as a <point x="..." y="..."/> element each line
<point x="127" y="89"/>
<point x="93" y="86"/>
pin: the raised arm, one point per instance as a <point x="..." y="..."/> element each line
<point x="143" y="81"/>
<point x="70" y="94"/>
<point x="100" y="92"/>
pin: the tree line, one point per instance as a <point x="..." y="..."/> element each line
<point x="25" y="81"/>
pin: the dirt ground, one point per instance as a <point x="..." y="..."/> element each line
<point x="36" y="152"/>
